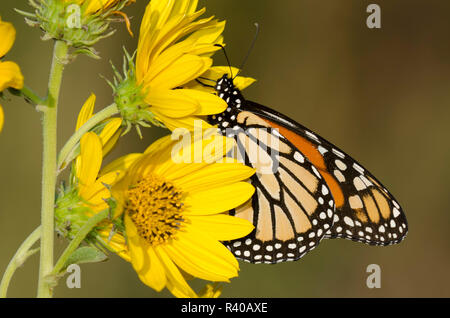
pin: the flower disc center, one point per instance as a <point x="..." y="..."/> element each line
<point x="155" y="206"/>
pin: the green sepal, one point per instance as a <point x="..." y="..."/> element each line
<point x="129" y="97"/>
<point x="85" y="254"/>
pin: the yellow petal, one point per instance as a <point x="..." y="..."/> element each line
<point x="211" y="291"/>
<point x="185" y="7"/>
<point x="86" y="111"/>
<point x="118" y="192"/>
<point x="175" y="280"/>
<point x="90" y="159"/>
<point x="242" y="82"/>
<point x="144" y="259"/>
<point x="202" y="256"/>
<point x="111" y="142"/>
<point x="183" y="70"/>
<point x="182" y="157"/>
<point x="205" y="49"/>
<point x="10" y="75"/>
<point x="202" y="84"/>
<point x="222" y="227"/>
<point x="161" y="143"/>
<point x="165" y="59"/>
<point x="121" y="164"/>
<point x="202" y="42"/>
<point x="156" y="14"/>
<point x="93" y="6"/>
<point x="216" y="72"/>
<point x="208" y="35"/>
<point x="110" y="129"/>
<point x="172" y="103"/>
<point x="209" y="104"/>
<point x="179" y="293"/>
<point x="224" y="174"/>
<point x="178" y="27"/>
<point x="7" y="36"/>
<point x="218" y="199"/>
<point x="116" y="241"/>
<point x="188" y="122"/>
<point x="143" y="166"/>
<point x="95" y="193"/>
<point x="160" y="28"/>
<point x="155" y="276"/>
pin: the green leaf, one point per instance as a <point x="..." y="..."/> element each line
<point x="85" y="254"/>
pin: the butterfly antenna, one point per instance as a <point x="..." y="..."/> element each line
<point x="249" y="50"/>
<point x="226" y="56"/>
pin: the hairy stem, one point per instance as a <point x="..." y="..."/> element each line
<point x="49" y="125"/>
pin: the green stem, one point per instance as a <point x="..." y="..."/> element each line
<point x="70" y="145"/>
<point x="18" y="259"/>
<point x="79" y="237"/>
<point x="31" y="96"/>
<point x="49" y="123"/>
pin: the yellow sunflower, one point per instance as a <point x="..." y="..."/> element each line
<point x="175" y="214"/>
<point x="174" y="48"/>
<point x="10" y="74"/>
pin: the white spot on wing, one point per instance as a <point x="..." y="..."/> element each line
<point x="348" y="221"/>
<point x="396" y="212"/>
<point x="359" y="184"/>
<point x="342" y="166"/>
<point x="299" y="157"/>
<point x="338" y="153"/>
<point x="316" y="172"/>
<point x="322" y="150"/>
<point x="311" y="135"/>
<point x="358" y="168"/>
<point x="324" y="190"/>
<point x="339" y="176"/>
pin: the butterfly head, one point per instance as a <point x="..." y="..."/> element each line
<point x="232" y="96"/>
<point x="228" y="92"/>
<point x="224" y="84"/>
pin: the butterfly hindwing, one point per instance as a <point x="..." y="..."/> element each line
<point x="292" y="207"/>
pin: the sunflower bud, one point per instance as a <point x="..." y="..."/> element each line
<point x="71" y="212"/>
<point x="80" y="23"/>
<point x="129" y="98"/>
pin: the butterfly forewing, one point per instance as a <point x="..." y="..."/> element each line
<point x="292" y="208"/>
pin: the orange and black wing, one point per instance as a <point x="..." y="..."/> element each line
<point x="292" y="207"/>
<point x="365" y="210"/>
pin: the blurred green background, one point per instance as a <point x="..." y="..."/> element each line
<point x="382" y="95"/>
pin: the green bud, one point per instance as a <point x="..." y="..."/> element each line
<point x="71" y="212"/>
<point x="70" y="22"/>
<point x="130" y="98"/>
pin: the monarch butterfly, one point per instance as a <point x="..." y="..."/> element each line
<point x="316" y="192"/>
